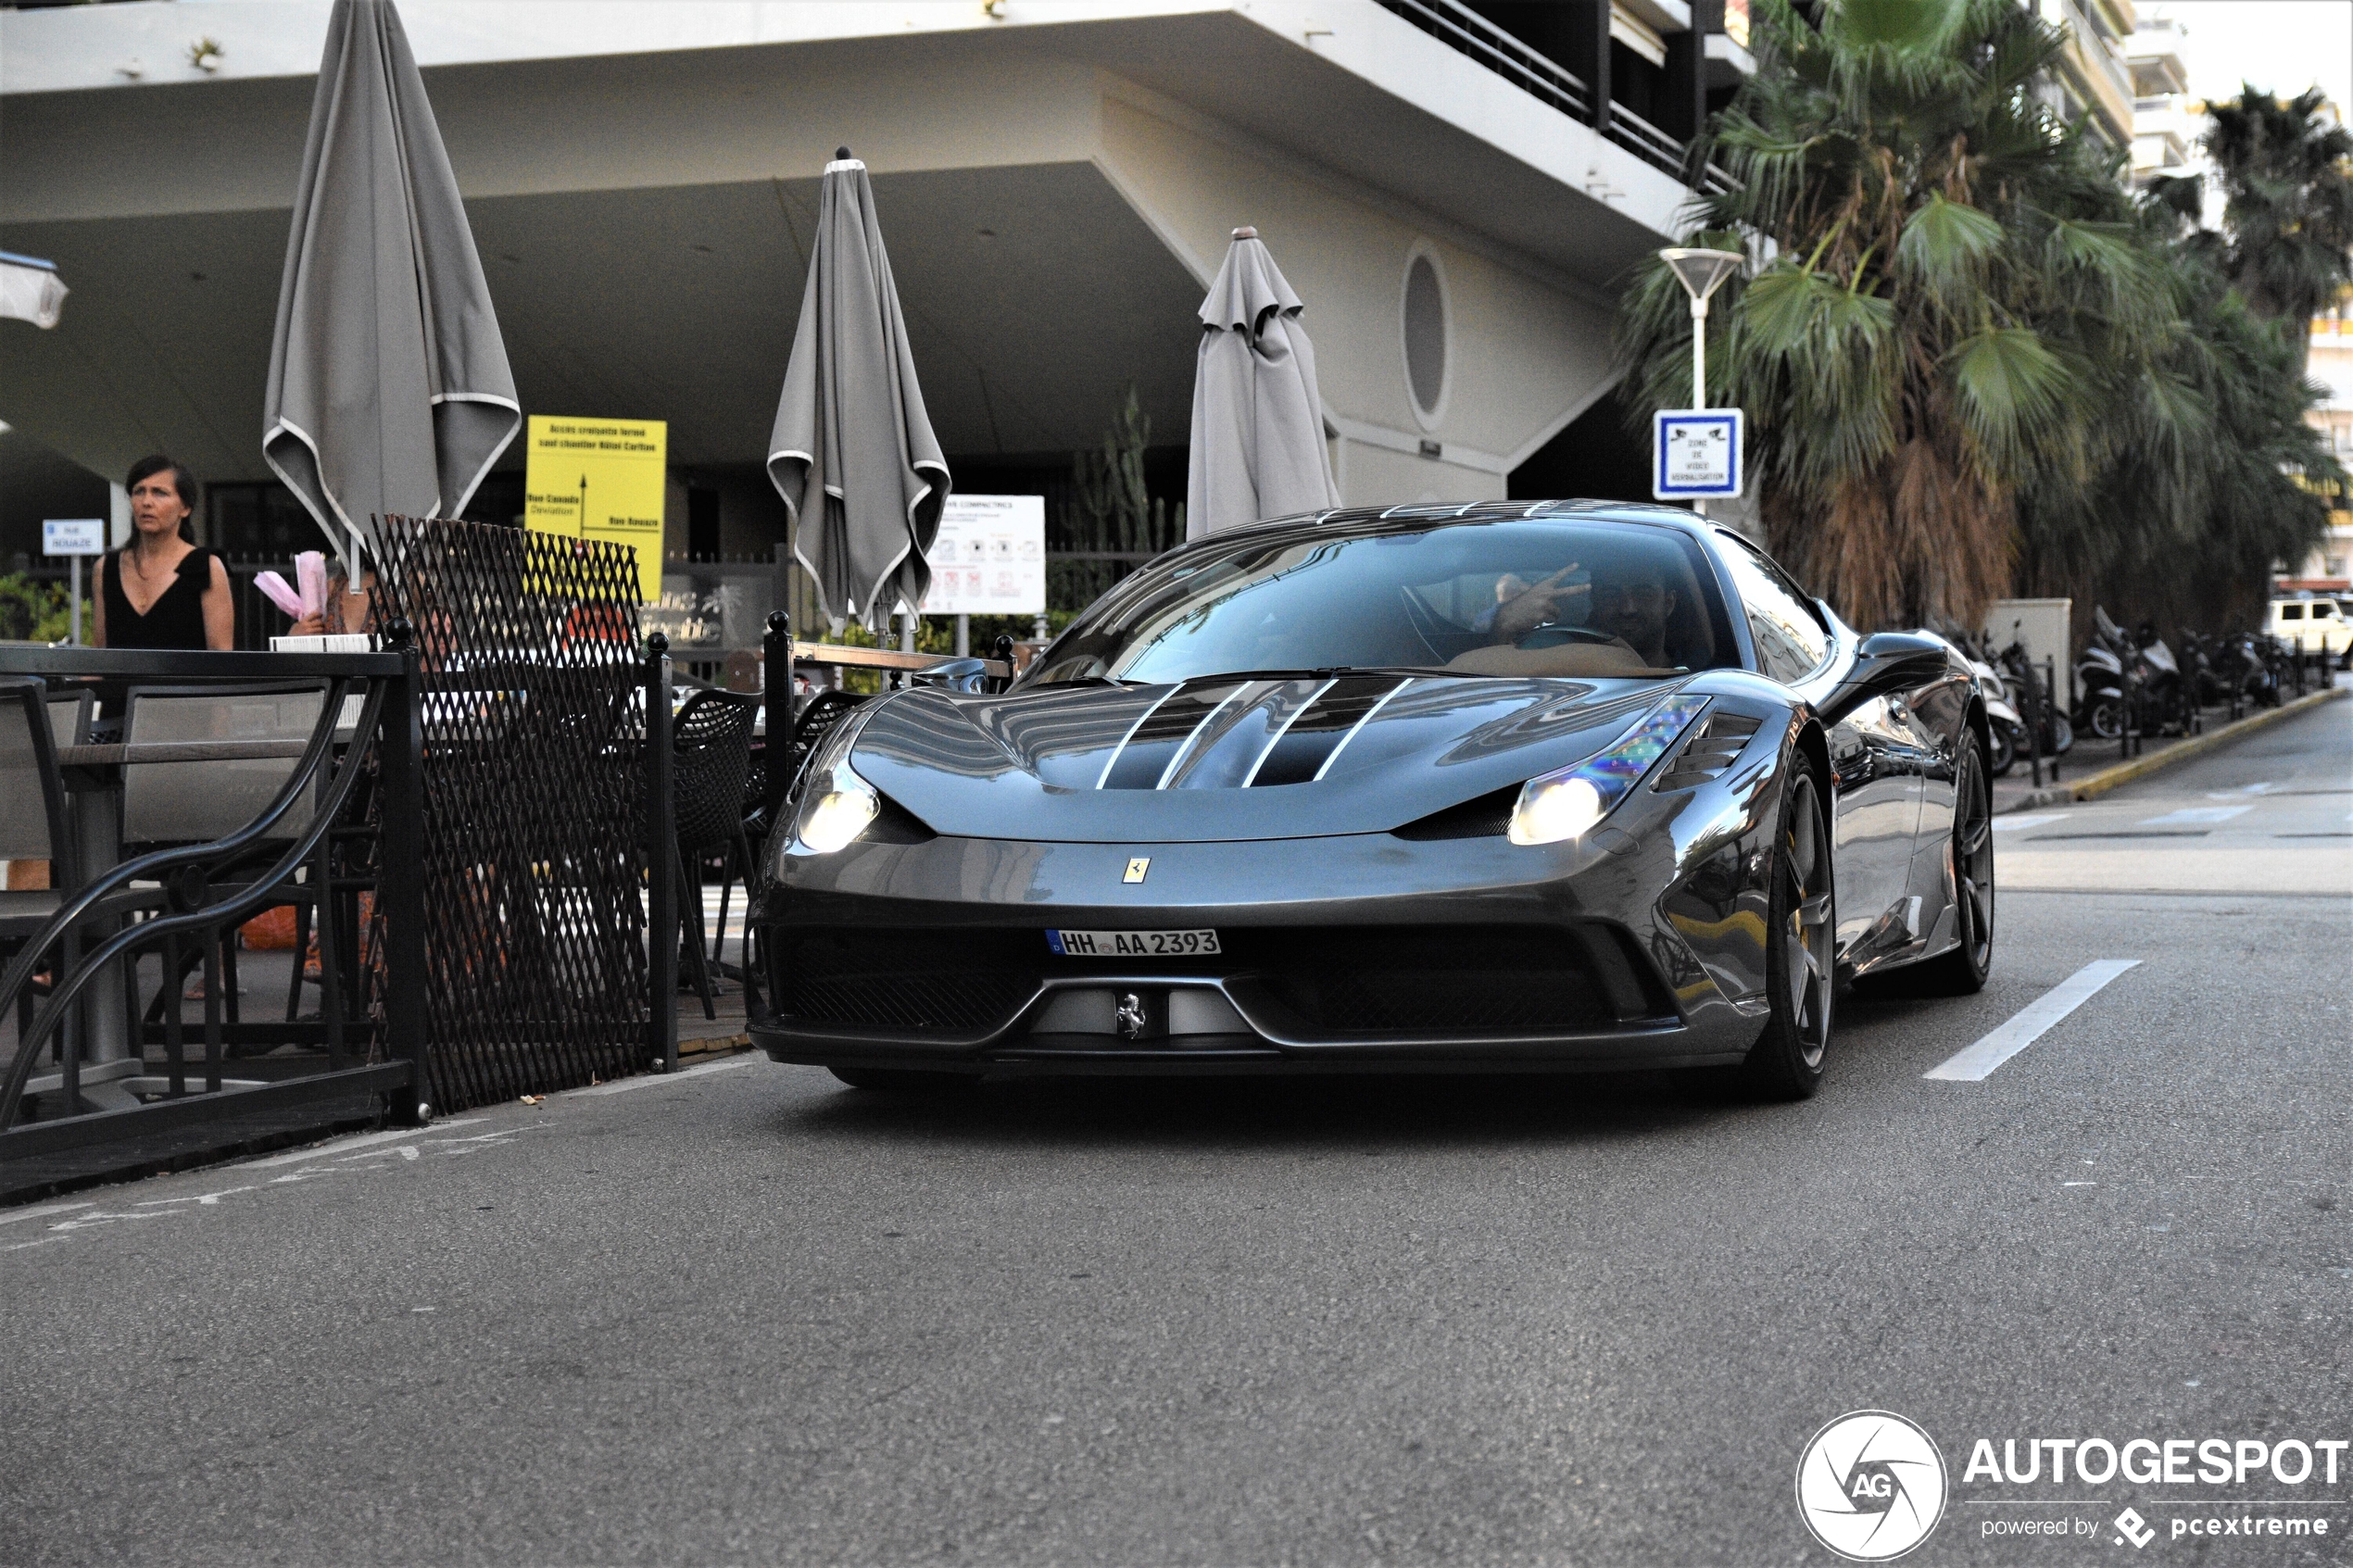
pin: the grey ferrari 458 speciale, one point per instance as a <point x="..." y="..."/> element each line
<point x="1508" y="786"/>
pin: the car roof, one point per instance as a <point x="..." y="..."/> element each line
<point x="1644" y="512"/>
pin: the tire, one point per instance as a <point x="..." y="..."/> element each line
<point x="1962" y="972"/>
<point x="2062" y="736"/>
<point x="1800" y="947"/>
<point x="2005" y="751"/>
<point x="902" y="1080"/>
<point x="2106" y="717"/>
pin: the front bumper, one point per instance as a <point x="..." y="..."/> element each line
<point x="1352" y="953"/>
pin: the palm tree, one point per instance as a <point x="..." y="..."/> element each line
<point x="2286" y="177"/>
<point x="1953" y="301"/>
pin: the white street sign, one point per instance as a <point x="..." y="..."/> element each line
<point x="74" y="536"/>
<point x="989" y="557"/>
<point x="1695" y="454"/>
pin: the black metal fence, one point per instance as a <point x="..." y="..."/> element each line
<point x="535" y="788"/>
<point x="349" y="787"/>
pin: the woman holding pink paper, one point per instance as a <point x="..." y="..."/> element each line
<point x="163" y="590"/>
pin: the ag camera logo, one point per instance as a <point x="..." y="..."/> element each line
<point x="1871" y="1486"/>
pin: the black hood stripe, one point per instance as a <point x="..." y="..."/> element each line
<point x="1301" y="753"/>
<point x="1276" y="739"/>
<point x="1144" y="758"/>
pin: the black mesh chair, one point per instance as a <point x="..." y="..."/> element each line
<point x="712" y="737"/>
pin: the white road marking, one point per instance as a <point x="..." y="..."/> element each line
<point x="44" y="1211"/>
<point x="2195" y="814"/>
<point x="2032" y="820"/>
<point x="656" y="1080"/>
<point x="207" y="1200"/>
<point x="362" y="1140"/>
<point x="2264" y="788"/>
<point x="1975" y="1063"/>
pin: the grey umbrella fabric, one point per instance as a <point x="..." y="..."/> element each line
<point x="389" y="390"/>
<point x="1258" y="421"/>
<point x="853" y="454"/>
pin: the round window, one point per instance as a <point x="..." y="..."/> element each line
<point x="1425" y="335"/>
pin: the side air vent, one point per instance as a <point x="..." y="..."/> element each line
<point x="1709" y="752"/>
<point x="1489" y="816"/>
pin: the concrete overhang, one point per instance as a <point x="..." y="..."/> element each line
<point x="1343" y="85"/>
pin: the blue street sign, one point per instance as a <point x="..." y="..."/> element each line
<point x="74" y="536"/>
<point x="1695" y="454"/>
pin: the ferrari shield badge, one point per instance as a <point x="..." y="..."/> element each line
<point x="1136" y="868"/>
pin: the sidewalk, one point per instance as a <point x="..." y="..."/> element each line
<point x="2096" y="765"/>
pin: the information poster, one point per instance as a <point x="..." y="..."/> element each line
<point x="601" y="479"/>
<point x="989" y="557"/>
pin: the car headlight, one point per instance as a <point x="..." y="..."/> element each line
<point x="832" y="817"/>
<point x="1569" y="803"/>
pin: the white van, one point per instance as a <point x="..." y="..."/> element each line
<point x="2315" y="626"/>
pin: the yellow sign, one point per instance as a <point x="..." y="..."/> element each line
<point x="601" y="479"/>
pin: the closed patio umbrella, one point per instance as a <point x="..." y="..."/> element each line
<point x="853" y="454"/>
<point x="1258" y="420"/>
<point x="389" y="390"/>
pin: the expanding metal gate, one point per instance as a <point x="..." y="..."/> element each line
<point x="533" y="717"/>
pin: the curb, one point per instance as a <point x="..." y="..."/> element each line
<point x="2099" y="784"/>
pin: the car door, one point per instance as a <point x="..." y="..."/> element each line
<point x="1874" y="749"/>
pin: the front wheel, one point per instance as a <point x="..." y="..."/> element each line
<point x="2107" y="716"/>
<point x="1786" y="1061"/>
<point x="1963" y="971"/>
<point x="2005" y="751"/>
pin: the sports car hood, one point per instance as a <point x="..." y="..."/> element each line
<point x="1222" y="757"/>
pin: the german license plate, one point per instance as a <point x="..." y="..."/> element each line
<point x="1132" y="944"/>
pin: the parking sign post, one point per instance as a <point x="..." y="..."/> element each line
<point x="74" y="537"/>
<point x="1701" y="272"/>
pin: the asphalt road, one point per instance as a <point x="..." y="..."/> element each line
<point x="750" y="1315"/>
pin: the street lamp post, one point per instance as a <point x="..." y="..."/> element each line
<point x="1701" y="272"/>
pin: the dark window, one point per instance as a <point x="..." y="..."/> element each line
<point x="261" y="520"/>
<point x="702" y="523"/>
<point x="1424" y="334"/>
<point x="1791" y="642"/>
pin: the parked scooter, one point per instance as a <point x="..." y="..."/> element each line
<point x="2026" y="682"/>
<point x="2099" y="684"/>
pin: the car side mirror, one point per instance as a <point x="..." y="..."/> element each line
<point x="955" y="675"/>
<point x="1885" y="663"/>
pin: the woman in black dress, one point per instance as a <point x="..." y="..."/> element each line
<point x="163" y="590"/>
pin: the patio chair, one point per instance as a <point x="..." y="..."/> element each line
<point x="166" y="804"/>
<point x="71" y="710"/>
<point x="35" y="827"/>
<point x="712" y="739"/>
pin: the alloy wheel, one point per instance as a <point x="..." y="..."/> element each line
<point x="1808" y="948"/>
<point x="1973" y="861"/>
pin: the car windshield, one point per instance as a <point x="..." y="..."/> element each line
<point x="1587" y="597"/>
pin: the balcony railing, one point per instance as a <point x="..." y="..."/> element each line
<point x="1466" y="31"/>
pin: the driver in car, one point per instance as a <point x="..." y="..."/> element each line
<point x="1629" y="601"/>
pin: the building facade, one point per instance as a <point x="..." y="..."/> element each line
<point x="1454" y="190"/>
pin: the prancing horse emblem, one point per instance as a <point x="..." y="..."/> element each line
<point x="1130" y="1017"/>
<point x="1136" y="868"/>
